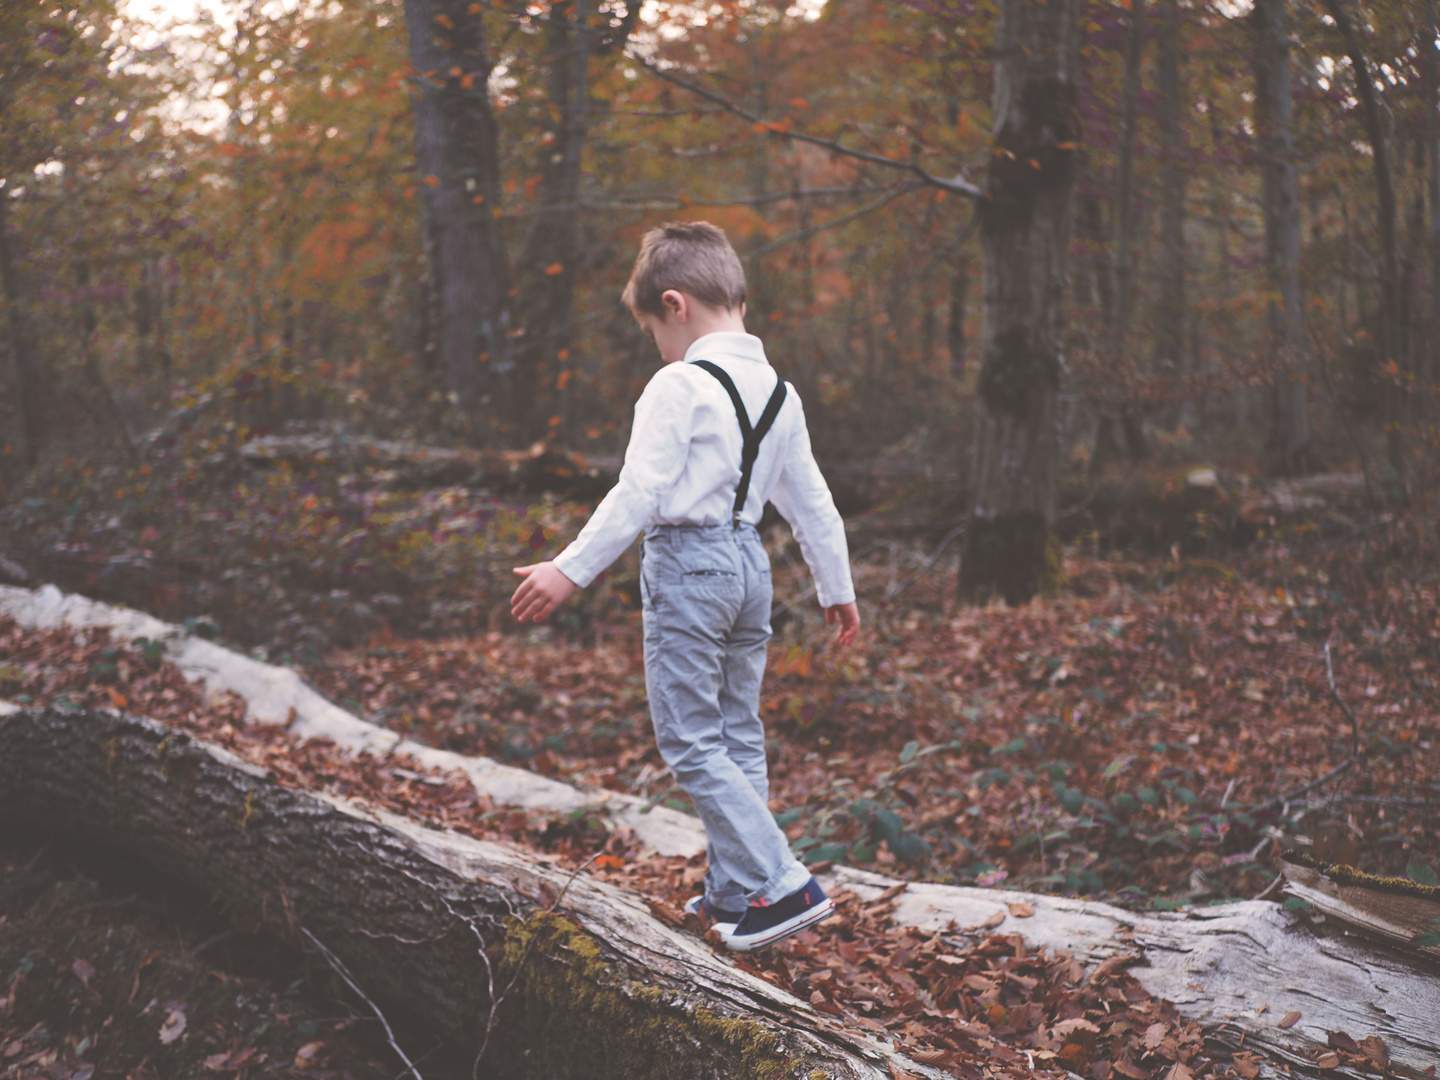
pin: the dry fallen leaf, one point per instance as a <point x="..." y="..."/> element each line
<point x="306" y="1055"/>
<point x="1154" y="1034"/>
<point x="1328" y="1060"/>
<point x="1179" y="1072"/>
<point x="174" y="1025"/>
<point x="1374" y="1048"/>
<point x="1289" y="1019"/>
<point x="1022" y="909"/>
<point x="993" y="921"/>
<point x="84" y="971"/>
<point x="1078" y="1023"/>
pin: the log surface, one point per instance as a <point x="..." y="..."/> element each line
<point x="407" y="909"/>
<point x="1219" y="965"/>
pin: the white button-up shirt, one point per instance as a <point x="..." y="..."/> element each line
<point x="683" y="465"/>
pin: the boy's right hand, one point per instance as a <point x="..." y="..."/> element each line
<point x="848" y="616"/>
<point x="544" y="589"/>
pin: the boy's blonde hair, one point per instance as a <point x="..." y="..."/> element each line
<point x="692" y="256"/>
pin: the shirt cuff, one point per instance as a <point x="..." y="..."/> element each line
<point x="843" y="595"/>
<point x="571" y="568"/>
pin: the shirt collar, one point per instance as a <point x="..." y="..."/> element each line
<point x="729" y="344"/>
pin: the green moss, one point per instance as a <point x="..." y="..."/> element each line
<point x="571" y="1013"/>
<point x="1342" y="874"/>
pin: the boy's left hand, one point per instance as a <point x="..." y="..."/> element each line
<point x="848" y="616"/>
<point x="544" y="589"/>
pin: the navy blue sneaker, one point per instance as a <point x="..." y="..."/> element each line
<point x="724" y="920"/>
<point x="763" y="925"/>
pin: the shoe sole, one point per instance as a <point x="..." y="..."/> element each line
<point x="808" y="917"/>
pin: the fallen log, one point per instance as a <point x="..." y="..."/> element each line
<point x="408" y="465"/>
<point x="1239" y="969"/>
<point x="440" y="926"/>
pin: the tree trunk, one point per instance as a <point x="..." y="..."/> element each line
<point x="1274" y="122"/>
<point x="90" y="351"/>
<point x="551" y="263"/>
<point x="22" y="359"/>
<point x="1170" y="330"/>
<point x="457" y="145"/>
<point x="1430" y="58"/>
<point x="1010" y="544"/>
<point x="1123" y="256"/>
<point x="590" y="984"/>
<point x="1392" y="346"/>
<point x="1124" y="426"/>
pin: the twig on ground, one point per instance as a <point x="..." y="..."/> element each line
<point x="1355" y="754"/>
<point x="1263" y="893"/>
<point x="1349" y="712"/>
<point x="344" y="973"/>
<point x="1305" y="789"/>
<point x="891" y="594"/>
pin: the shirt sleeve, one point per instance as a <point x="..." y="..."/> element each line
<point x="654" y="461"/>
<point x="803" y="499"/>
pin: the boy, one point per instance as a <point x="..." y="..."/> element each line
<point x="696" y="479"/>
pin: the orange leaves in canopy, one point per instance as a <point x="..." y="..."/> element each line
<point x="555" y="269"/>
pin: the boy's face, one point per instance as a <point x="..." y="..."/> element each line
<point x="670" y="335"/>
<point x="685" y="321"/>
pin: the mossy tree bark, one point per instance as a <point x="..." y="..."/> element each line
<point x="1025" y="237"/>
<point x="433" y="925"/>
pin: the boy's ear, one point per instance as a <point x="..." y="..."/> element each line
<point x="676" y="304"/>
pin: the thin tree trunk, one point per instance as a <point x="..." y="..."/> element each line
<point x="1392" y="345"/>
<point x="1274" y="121"/>
<point x="22" y="359"/>
<point x="1124" y="426"/>
<point x="955" y="323"/>
<point x="1010" y="544"/>
<point x="1430" y="58"/>
<point x="457" y="144"/>
<point x="1123" y="256"/>
<point x="89" y="350"/>
<point x="550" y="263"/>
<point x="1170" y="332"/>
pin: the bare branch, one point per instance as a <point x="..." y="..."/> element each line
<point x="1349" y="712"/>
<point x="802" y="234"/>
<point x="959" y="185"/>
<point x="344" y="973"/>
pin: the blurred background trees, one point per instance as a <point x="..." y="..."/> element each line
<point x="414" y="220"/>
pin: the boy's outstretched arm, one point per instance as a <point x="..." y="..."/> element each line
<point x="848" y="616"/>
<point x="544" y="589"/>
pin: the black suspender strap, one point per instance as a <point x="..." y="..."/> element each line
<point x="750" y="437"/>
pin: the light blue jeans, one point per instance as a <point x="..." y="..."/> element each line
<point x="706" y="595"/>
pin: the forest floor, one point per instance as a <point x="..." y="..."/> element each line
<point x="109" y="972"/>
<point x="1150" y="735"/>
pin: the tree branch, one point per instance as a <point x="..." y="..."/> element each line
<point x="344" y="973"/>
<point x="959" y="185"/>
